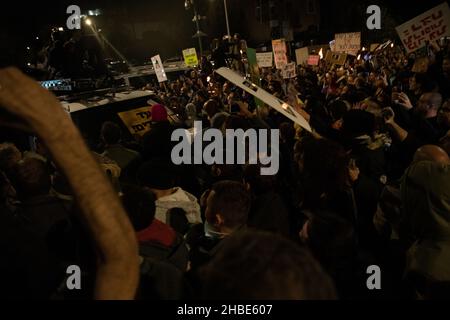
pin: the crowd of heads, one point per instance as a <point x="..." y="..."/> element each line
<point x="369" y="186"/>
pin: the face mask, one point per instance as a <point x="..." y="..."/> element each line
<point x="211" y="233"/>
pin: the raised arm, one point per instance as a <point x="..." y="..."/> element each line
<point x="118" y="264"/>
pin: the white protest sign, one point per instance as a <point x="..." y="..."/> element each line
<point x="349" y="43"/>
<point x="279" y="52"/>
<point x="429" y="26"/>
<point x="159" y="68"/>
<point x="289" y="71"/>
<point x="302" y="55"/>
<point x="264" y="96"/>
<point x="264" y="59"/>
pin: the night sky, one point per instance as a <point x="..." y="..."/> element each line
<point x="21" y="23"/>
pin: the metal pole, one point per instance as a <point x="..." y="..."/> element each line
<point x="226" y="18"/>
<point x="198" y="31"/>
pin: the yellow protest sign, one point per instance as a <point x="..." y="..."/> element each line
<point x="138" y="121"/>
<point x="190" y="57"/>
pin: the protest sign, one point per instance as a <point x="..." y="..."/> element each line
<point x="264" y="96"/>
<point x="264" y="59"/>
<point x="349" y="43"/>
<point x="289" y="71"/>
<point x="138" y="121"/>
<point x="373" y="46"/>
<point x="190" y="57"/>
<point x="313" y="60"/>
<point x="279" y="52"/>
<point x="336" y="58"/>
<point x="302" y="55"/>
<point x="429" y="26"/>
<point x="159" y="68"/>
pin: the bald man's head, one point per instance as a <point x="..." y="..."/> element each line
<point x="431" y="153"/>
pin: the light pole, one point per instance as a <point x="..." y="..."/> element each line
<point x="199" y="34"/>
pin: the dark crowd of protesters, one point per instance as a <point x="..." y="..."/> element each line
<point x="370" y="186"/>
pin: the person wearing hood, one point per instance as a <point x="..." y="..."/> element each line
<point x="156" y="143"/>
<point x="160" y="178"/>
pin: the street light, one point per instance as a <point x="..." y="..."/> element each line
<point x="199" y="34"/>
<point x="88" y="21"/>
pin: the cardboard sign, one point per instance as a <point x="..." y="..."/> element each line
<point x="373" y="46"/>
<point x="313" y="60"/>
<point x="302" y="55"/>
<point x="289" y="71"/>
<point x="336" y="58"/>
<point x="349" y="43"/>
<point x="429" y="26"/>
<point x="190" y="57"/>
<point x="264" y="59"/>
<point x="159" y="68"/>
<point x="138" y="121"/>
<point x="264" y="96"/>
<point x="279" y="52"/>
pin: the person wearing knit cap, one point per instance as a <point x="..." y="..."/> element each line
<point x="159" y="113"/>
<point x="156" y="143"/>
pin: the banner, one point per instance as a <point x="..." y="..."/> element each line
<point x="190" y="57"/>
<point x="264" y="59"/>
<point x="301" y="55"/>
<point x="289" y="71"/>
<point x="159" y="68"/>
<point x="279" y="52"/>
<point x="264" y="96"/>
<point x="313" y="60"/>
<point x="349" y="43"/>
<point x="138" y="121"/>
<point x="429" y="26"/>
<point x="336" y="58"/>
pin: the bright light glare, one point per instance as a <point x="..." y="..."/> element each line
<point x="88" y="22"/>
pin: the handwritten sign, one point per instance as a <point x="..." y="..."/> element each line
<point x="264" y="59"/>
<point x="289" y="71"/>
<point x="159" y="68"/>
<point x="279" y="52"/>
<point x="313" y="60"/>
<point x="349" y="43"/>
<point x="190" y="57"/>
<point x="138" y="121"/>
<point x="429" y="26"/>
<point x="336" y="58"/>
<point x="301" y="55"/>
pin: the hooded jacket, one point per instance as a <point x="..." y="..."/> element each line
<point x="178" y="199"/>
